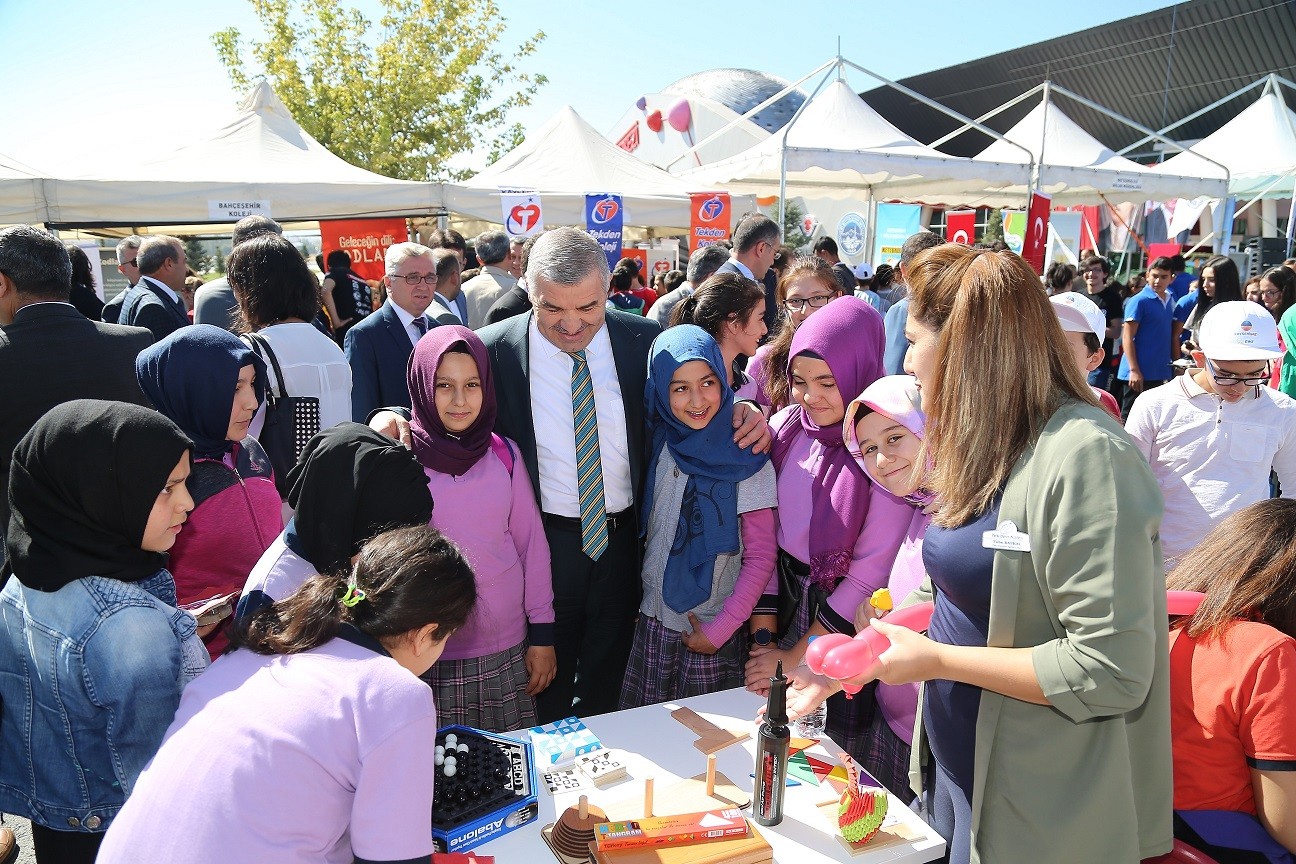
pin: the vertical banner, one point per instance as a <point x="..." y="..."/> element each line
<point x="708" y="219"/>
<point x="365" y="240"/>
<point x="640" y="255"/>
<point x="603" y="217"/>
<point x="1014" y="229"/>
<point x="522" y="211"/>
<point x="1035" y="242"/>
<point x="960" y="227"/>
<point x="660" y="262"/>
<point x="1090" y="226"/>
<point x="1065" y="230"/>
<point x="895" y="224"/>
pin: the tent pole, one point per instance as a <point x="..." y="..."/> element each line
<point x="986" y="116"/>
<point x="1039" y="165"/>
<point x="870" y="228"/>
<point x="1192" y="116"/>
<point x="787" y="127"/>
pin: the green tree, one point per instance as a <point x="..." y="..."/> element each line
<point x="219" y="264"/>
<point x="993" y="232"/>
<point x="792" y="234"/>
<point x="401" y="98"/>
<point x="195" y="254"/>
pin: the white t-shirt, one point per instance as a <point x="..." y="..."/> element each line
<point x="1211" y="458"/>
<point x="323" y="756"/>
<point x="313" y="365"/>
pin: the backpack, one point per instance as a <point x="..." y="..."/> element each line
<point x="504" y="451"/>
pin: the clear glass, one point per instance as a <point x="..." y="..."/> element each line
<point x="813" y="724"/>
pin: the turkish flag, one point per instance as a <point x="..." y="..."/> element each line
<point x="960" y="227"/>
<point x="1035" y="242"/>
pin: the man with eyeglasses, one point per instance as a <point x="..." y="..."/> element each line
<point x="378" y="347"/>
<point x="128" y="266"/>
<point x="755" y="243"/>
<point x="1214" y="434"/>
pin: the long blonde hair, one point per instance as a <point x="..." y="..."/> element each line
<point x="1002" y="368"/>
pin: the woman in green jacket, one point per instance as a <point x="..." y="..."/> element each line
<point x="1044" y="732"/>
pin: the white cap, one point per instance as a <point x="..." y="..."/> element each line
<point x="863" y="272"/>
<point x="1239" y="330"/>
<point x="1078" y="314"/>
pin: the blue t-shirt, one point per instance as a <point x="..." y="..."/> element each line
<point x="1152" y="341"/>
<point x="1179" y="286"/>
<point x="1183" y="311"/>
<point x="960" y="569"/>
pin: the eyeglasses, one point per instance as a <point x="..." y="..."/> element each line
<point x="414" y="279"/>
<point x="130" y="263"/>
<point x="1271" y="292"/>
<point x="799" y="304"/>
<point x="1226" y="380"/>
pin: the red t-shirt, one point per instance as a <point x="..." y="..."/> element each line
<point x="1109" y="402"/>
<point x="647" y="295"/>
<point x="1232" y="708"/>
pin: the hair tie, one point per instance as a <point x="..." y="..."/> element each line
<point x="354" y="593"/>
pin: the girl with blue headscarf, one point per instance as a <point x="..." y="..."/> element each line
<point x="210" y="384"/>
<point x="709" y="523"/>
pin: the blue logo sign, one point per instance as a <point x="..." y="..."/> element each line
<point x="603" y="218"/>
<point x="711" y="209"/>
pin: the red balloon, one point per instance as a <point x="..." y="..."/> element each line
<point x="655" y="120"/>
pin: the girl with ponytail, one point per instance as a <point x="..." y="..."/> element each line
<point x="321" y="721"/>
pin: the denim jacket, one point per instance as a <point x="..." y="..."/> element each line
<point x="90" y="677"/>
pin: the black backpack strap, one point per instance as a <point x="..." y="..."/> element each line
<point x="261" y="346"/>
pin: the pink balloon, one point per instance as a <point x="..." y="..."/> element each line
<point x="655" y="120"/>
<point x="821" y="645"/>
<point x="850" y="660"/>
<point x="679" y="115"/>
<point x="1183" y="602"/>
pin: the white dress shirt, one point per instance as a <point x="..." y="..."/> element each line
<point x="407" y="321"/>
<point x="551" y="409"/>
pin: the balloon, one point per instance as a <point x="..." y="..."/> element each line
<point x="655" y="120"/>
<point x="821" y="645"/>
<point x="641" y="103"/>
<point x="679" y="115"/>
<point x="1183" y="602"/>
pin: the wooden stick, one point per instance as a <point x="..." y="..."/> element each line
<point x="710" y="777"/>
<point x="648" y="798"/>
<point x="582" y="809"/>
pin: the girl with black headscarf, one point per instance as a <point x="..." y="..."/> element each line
<point x="349" y="484"/>
<point x="90" y="640"/>
<point x="211" y="384"/>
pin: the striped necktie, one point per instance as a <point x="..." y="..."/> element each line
<point x="420" y="324"/>
<point x="589" y="466"/>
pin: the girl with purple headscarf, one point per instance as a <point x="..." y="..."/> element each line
<point x="493" y="667"/>
<point x="837" y="533"/>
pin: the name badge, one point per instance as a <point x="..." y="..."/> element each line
<point x="1006" y="537"/>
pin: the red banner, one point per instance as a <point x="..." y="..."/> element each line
<point x="1090" y="225"/>
<point x="1035" y="243"/>
<point x="365" y="240"/>
<point x="960" y="227"/>
<point x="709" y="219"/>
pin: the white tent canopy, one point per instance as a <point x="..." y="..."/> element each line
<point x="261" y="154"/>
<point x="839" y="146"/>
<point x="1258" y="146"/>
<point x="1076" y="168"/>
<point x="22" y="199"/>
<point x="564" y="160"/>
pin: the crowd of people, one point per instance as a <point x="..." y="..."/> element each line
<point x="252" y="562"/>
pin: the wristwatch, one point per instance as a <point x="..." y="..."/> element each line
<point x="762" y="638"/>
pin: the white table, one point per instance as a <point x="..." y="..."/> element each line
<point x="656" y="745"/>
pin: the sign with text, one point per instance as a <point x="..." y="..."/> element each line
<point x="895" y="224"/>
<point x="960" y="227"/>
<point x="1035" y="241"/>
<point x="603" y="217"/>
<point x="230" y="210"/>
<point x="365" y="240"/>
<point x="523" y="212"/>
<point x="709" y="219"/>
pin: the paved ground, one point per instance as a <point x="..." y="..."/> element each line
<point x="22" y="830"/>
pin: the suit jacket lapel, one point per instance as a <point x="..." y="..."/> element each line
<point x="397" y="331"/>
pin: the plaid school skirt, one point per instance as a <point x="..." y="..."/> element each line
<point x="487" y="693"/>
<point x="662" y="669"/>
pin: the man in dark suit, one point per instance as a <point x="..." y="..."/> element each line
<point x="49" y="352"/>
<point x="214" y="302"/>
<point x="755" y="243"/>
<point x="540" y="360"/>
<point x="517" y="301"/>
<point x="378" y="347"/>
<point x="154" y="302"/>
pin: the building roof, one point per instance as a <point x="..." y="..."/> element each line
<point x="741" y="90"/>
<point x="1154" y="68"/>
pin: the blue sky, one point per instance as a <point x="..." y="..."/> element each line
<point x="90" y="77"/>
